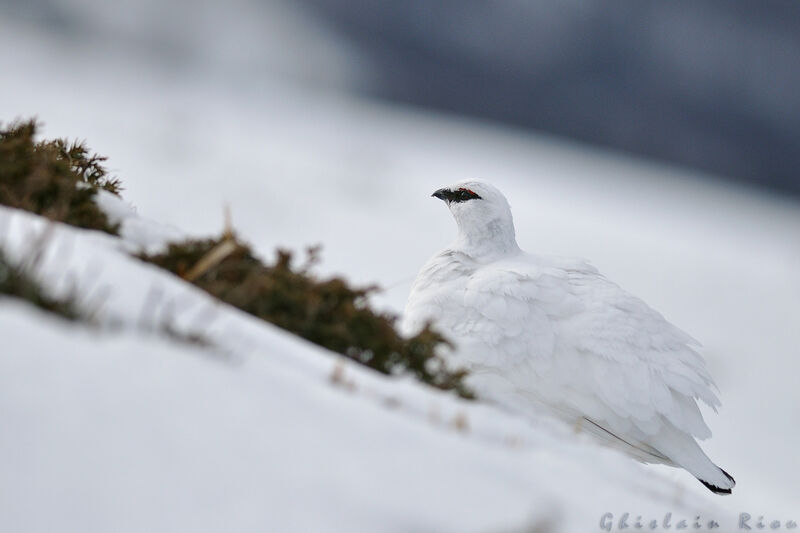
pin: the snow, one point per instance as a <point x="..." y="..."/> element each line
<point x="124" y="430"/>
<point x="118" y="428"/>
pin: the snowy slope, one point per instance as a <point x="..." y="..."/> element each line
<point x="120" y="429"/>
<point x="721" y="263"/>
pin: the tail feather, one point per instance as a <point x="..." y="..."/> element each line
<point x="675" y="448"/>
<point x="720" y="490"/>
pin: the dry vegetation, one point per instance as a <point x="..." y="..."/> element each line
<point x="328" y="312"/>
<point x="16" y="282"/>
<point x="56" y="179"/>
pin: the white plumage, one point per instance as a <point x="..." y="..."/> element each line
<point x="540" y="332"/>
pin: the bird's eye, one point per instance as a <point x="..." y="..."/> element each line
<point x="463" y="194"/>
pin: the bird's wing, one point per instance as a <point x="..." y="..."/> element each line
<point x="431" y="296"/>
<point x="580" y="341"/>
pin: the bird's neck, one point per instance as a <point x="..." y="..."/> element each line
<point x="487" y="241"/>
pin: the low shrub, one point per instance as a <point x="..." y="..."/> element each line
<point x="56" y="179"/>
<point x="15" y="282"/>
<point x="328" y="312"/>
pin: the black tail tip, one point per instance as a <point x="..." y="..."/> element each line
<point x="718" y="490"/>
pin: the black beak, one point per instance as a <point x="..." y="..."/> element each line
<point x="442" y="194"/>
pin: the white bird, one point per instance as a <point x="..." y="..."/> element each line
<point x="553" y="333"/>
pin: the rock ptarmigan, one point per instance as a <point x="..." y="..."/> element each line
<point x="553" y="333"/>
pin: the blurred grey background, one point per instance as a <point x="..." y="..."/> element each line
<point x="708" y="84"/>
<point x="712" y="84"/>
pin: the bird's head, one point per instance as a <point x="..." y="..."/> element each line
<point x="482" y="214"/>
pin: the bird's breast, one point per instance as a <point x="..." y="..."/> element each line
<point x="489" y="329"/>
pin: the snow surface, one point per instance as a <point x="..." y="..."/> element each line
<point x="118" y="428"/>
<point x="160" y="436"/>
